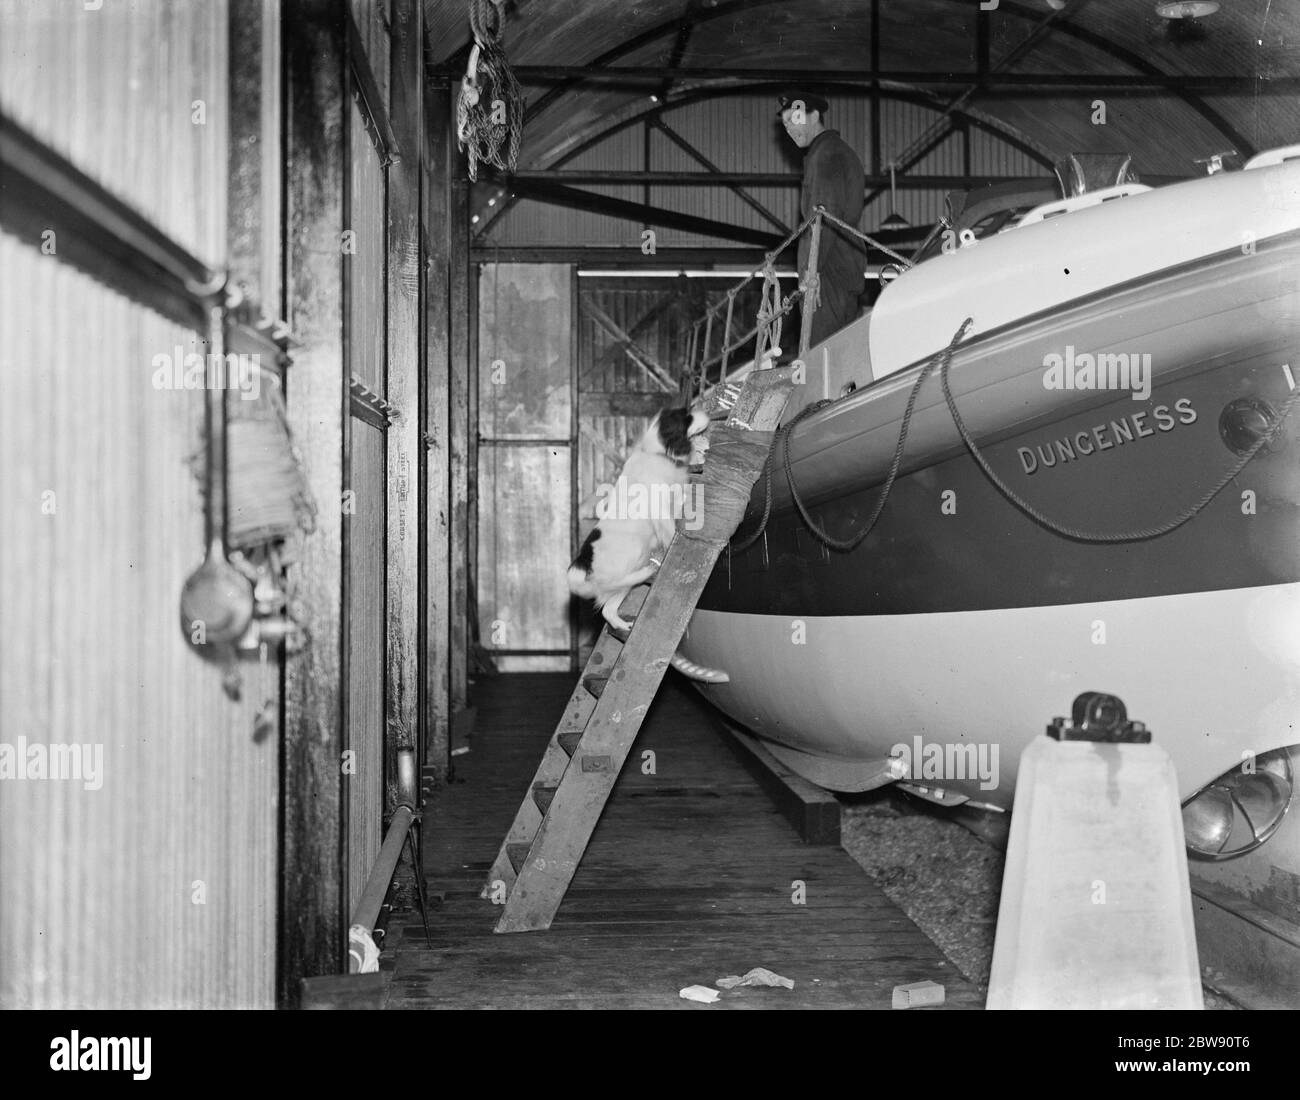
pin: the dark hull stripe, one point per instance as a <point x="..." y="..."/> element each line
<point x="949" y="541"/>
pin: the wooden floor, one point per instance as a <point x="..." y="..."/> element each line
<point x="689" y="877"/>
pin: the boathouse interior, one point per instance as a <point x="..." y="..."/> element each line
<point x="324" y="321"/>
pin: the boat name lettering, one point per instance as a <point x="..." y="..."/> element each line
<point x="1103" y="437"/>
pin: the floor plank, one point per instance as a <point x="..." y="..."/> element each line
<point x="692" y="874"/>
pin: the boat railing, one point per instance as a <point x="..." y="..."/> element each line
<point x="773" y="306"/>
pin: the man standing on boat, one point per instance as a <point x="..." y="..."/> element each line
<point x="833" y="177"/>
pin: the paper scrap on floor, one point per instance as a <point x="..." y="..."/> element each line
<point x="918" y="994"/>
<point x="701" y="993"/>
<point x="758" y="976"/>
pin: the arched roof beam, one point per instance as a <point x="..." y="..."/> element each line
<point x="1112" y="49"/>
<point x="580" y="143"/>
<point x="1099" y="42"/>
<point x="678" y="26"/>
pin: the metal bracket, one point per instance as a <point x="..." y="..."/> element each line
<point x="1097" y="716"/>
<point x="370" y="407"/>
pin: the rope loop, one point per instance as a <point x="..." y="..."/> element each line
<point x="770" y="310"/>
<point x="490" y="108"/>
<point x="478" y="21"/>
<point x="812" y="290"/>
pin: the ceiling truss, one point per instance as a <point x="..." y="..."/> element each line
<point x="920" y="87"/>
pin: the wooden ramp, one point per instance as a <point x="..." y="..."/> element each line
<point x="581" y="763"/>
<point x="688" y="878"/>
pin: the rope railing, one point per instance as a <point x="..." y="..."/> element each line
<point x="773" y="308"/>
<point x="769" y="264"/>
<point x="866" y="238"/>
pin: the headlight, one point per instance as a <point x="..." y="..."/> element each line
<point x="1241" y="809"/>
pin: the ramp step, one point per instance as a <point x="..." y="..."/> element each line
<point x="543" y="794"/>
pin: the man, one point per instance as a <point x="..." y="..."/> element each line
<point x="833" y="177"/>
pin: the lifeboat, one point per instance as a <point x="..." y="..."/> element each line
<point x="1098" y="491"/>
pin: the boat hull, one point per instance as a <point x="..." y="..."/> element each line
<point x="1212" y="674"/>
<point x="961" y="621"/>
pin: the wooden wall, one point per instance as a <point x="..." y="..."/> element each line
<point x="448" y="378"/>
<point x="525" y="400"/>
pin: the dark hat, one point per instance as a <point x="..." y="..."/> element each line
<point x="811" y="100"/>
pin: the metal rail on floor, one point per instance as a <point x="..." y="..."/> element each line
<point x="366" y="913"/>
<point x="401" y="830"/>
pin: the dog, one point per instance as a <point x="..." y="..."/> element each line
<point x="624" y="550"/>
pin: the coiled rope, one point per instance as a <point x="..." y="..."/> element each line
<point x="490" y="108"/>
<point x="783" y="442"/>
<point x="944" y="361"/>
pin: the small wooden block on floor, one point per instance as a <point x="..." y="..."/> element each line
<point x="462" y="729"/>
<point x="814" y="812"/>
<point x="346" y="991"/>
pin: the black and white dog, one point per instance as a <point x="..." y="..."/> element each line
<point x="627" y="545"/>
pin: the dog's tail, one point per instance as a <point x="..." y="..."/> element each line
<point x="580" y="582"/>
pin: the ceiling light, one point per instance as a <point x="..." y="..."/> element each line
<point x="895" y="219"/>
<point x="1187" y="9"/>
<point x="474" y="220"/>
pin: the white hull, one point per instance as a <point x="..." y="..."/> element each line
<point x="1212" y="674"/>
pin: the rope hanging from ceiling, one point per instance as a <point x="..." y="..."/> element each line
<point x="490" y="110"/>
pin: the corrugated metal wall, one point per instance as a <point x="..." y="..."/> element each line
<point x="118" y="91"/>
<point x="157" y="889"/>
<point x="743" y="134"/>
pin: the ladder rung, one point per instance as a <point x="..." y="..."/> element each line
<point x="569" y="741"/>
<point x="517" y="853"/>
<point x="595" y="683"/>
<point x="543" y="793"/>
